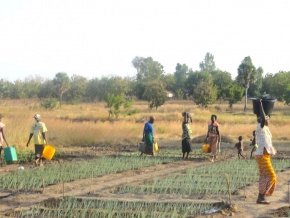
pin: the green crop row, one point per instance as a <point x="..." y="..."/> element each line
<point x="206" y="179"/>
<point x="33" y="178"/>
<point x="73" y="207"/>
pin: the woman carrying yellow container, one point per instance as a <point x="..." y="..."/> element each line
<point x="213" y="136"/>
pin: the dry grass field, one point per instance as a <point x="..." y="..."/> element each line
<point x="87" y="124"/>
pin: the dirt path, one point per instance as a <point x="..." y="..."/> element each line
<point x="102" y="188"/>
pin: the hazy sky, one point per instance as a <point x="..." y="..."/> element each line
<point x="95" y="38"/>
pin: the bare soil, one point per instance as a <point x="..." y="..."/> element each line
<point x="241" y="204"/>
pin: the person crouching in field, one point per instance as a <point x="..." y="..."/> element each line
<point x="267" y="179"/>
<point x="186" y="135"/>
<point x="148" y="136"/>
<point x="38" y="130"/>
<point x="240" y="147"/>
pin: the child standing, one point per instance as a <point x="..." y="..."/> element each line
<point x="253" y="144"/>
<point x="240" y="147"/>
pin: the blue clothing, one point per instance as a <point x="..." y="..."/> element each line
<point x="149" y="137"/>
<point x="148" y="128"/>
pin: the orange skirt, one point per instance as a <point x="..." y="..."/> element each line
<point x="267" y="180"/>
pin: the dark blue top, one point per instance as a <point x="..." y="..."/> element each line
<point x="148" y="128"/>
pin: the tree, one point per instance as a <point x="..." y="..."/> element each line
<point x="147" y="69"/>
<point x="208" y="63"/>
<point x="246" y="75"/>
<point x="61" y="82"/>
<point x="114" y="103"/>
<point x="47" y="90"/>
<point x="235" y="94"/>
<point x="180" y="74"/>
<point x="195" y="78"/>
<point x="92" y="90"/>
<point x="5" y="87"/>
<point x="279" y="84"/>
<point x="155" y="94"/>
<point x="256" y="87"/>
<point x="205" y="94"/>
<point x="76" y="90"/>
<point x="222" y="81"/>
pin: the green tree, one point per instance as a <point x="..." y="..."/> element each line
<point x="208" y="64"/>
<point x="247" y="74"/>
<point x="205" y="94"/>
<point x="169" y="82"/>
<point x="181" y="75"/>
<point x="235" y="93"/>
<point x="32" y="86"/>
<point x="47" y="90"/>
<point x="155" y="94"/>
<point x="256" y="87"/>
<point x="195" y="78"/>
<point x="17" y="90"/>
<point x="5" y="87"/>
<point x="114" y="103"/>
<point x="279" y="84"/>
<point x="147" y="69"/>
<point x="76" y="90"/>
<point x="266" y="83"/>
<point x="61" y="82"/>
<point x="222" y="80"/>
<point x="92" y="90"/>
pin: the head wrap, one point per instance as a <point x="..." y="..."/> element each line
<point x="37" y="117"/>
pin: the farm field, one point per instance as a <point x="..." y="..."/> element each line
<point x="105" y="177"/>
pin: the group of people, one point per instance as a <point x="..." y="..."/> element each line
<point x="261" y="142"/>
<point x="37" y="131"/>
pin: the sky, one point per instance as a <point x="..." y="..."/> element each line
<point x="96" y="38"/>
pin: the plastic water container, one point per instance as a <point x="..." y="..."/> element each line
<point x="10" y="154"/>
<point x="48" y="152"/>
<point x="206" y="148"/>
<point x="268" y="105"/>
<point x="141" y="146"/>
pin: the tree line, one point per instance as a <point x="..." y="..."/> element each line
<point x="204" y="86"/>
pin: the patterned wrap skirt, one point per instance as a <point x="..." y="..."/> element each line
<point x="213" y="142"/>
<point x="267" y="180"/>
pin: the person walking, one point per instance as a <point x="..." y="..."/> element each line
<point x="38" y="130"/>
<point x="2" y="136"/>
<point x="267" y="178"/>
<point x="213" y="136"/>
<point x="148" y="137"/>
<point x="254" y="144"/>
<point x="240" y="147"/>
<point x="186" y="135"/>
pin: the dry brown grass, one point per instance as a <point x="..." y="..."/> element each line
<point x="87" y="124"/>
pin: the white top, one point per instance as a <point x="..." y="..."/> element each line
<point x="264" y="140"/>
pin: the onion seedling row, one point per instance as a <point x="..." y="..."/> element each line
<point x="31" y="179"/>
<point x="206" y="179"/>
<point x="73" y="207"/>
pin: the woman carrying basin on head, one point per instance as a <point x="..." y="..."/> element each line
<point x="267" y="179"/>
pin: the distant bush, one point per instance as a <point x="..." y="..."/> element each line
<point x="49" y="103"/>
